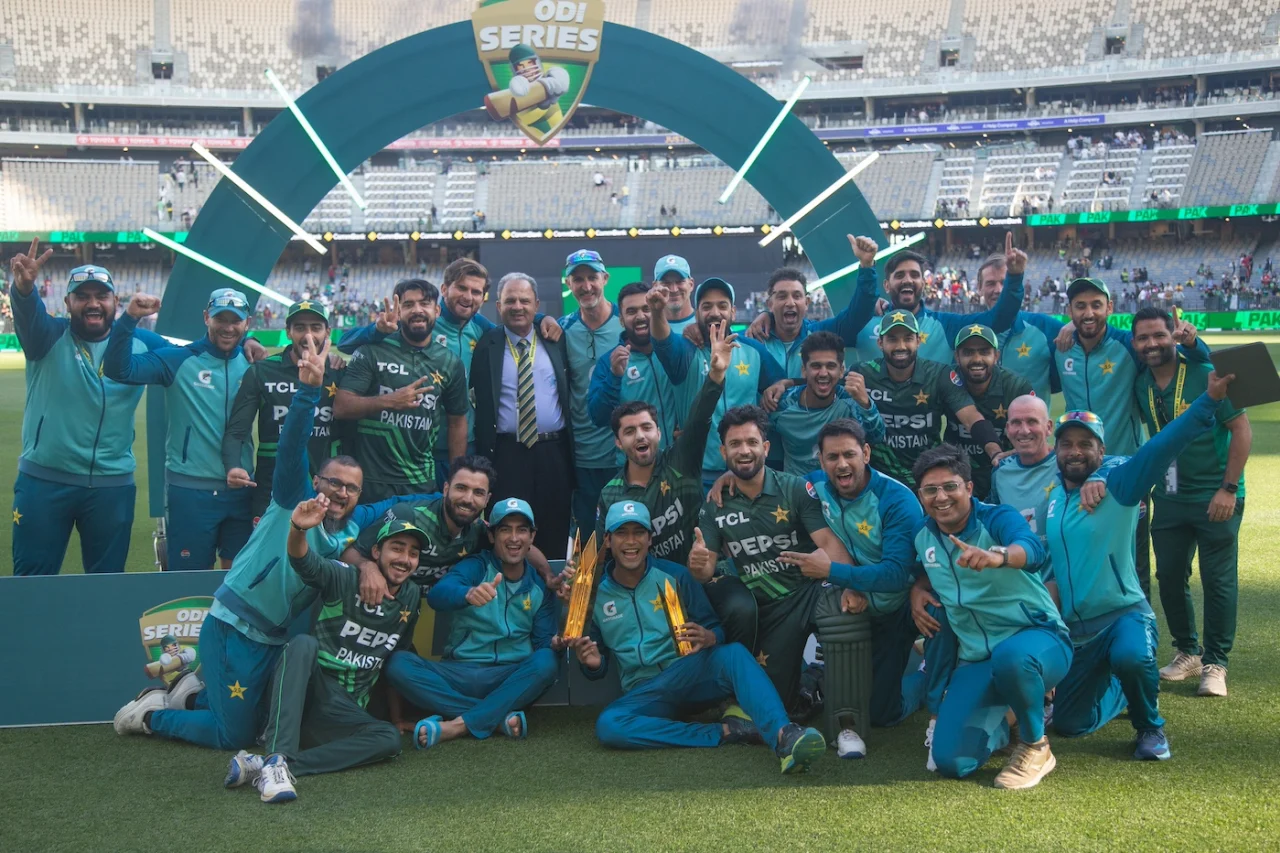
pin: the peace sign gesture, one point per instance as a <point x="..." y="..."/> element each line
<point x="26" y="267"/>
<point x="389" y="317"/>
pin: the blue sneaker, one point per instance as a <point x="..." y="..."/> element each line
<point x="1152" y="746"/>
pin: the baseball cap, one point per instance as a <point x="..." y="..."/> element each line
<point x="396" y="526"/>
<point x="671" y="263"/>
<point x="713" y="284"/>
<point x="584" y="258"/>
<point x="304" y="306"/>
<point x="1080" y="284"/>
<point x="1088" y="420"/>
<point x="977" y="331"/>
<point x="627" y="511"/>
<point x="898" y="317"/>
<point x="510" y="506"/>
<point x="84" y="274"/>
<point x="228" y="299"/>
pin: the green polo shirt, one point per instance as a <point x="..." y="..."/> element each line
<point x="753" y="532"/>
<point x="443" y="549"/>
<point x="1199" y="470"/>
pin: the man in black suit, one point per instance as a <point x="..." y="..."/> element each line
<point x="521" y="388"/>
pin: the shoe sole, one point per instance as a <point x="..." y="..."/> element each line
<point x="1031" y="783"/>
<point x="116" y="720"/>
<point x="282" y="797"/>
<point x="1182" y="677"/>
<point x="1154" y="756"/>
<point x="807" y="747"/>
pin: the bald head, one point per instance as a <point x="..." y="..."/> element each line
<point x="1029" y="428"/>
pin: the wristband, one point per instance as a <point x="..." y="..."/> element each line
<point x="296" y="527"/>
<point x="984" y="433"/>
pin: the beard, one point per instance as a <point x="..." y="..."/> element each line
<point x="415" y="337"/>
<point x="748" y="470"/>
<point x="455" y="514"/>
<point x="79" y="329"/>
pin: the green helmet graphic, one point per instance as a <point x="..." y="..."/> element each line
<point x="520" y="53"/>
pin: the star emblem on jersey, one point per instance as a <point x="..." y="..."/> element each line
<point x="528" y="603"/>
<point x="1048" y="489"/>
<point x="924" y="337"/>
<point x="664" y="487"/>
<point x="332" y="388"/>
<point x="462" y="552"/>
<point x="922" y="399"/>
<point x="437" y="378"/>
<point x="899" y="317"/>
<point x="17" y="517"/>
<point x="1107" y="366"/>
<point x="1024" y="350"/>
<point x="657" y="603"/>
<point x="864" y="527"/>
<point x="743" y="368"/>
<point x="1181" y="407"/>
<point x="237" y="692"/>
<point x="762" y="659"/>
<point x="404" y="615"/>
<point x="1000" y="412"/>
<point x="780" y="515"/>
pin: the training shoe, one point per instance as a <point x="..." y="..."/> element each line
<point x="1213" y="680"/>
<point x="187" y="685"/>
<point x="798" y="747"/>
<point x="130" y="718"/>
<point x="1029" y="763"/>
<point x="1152" y="745"/>
<point x="850" y="745"/>
<point x="275" y="782"/>
<point x="245" y="767"/>
<point x="928" y="744"/>
<point x="1182" y="666"/>
<point x="740" y="727"/>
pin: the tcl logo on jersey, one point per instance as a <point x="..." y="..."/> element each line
<point x="924" y="421"/>
<point x="280" y="387"/>
<point x="879" y="396"/>
<point x="732" y="518"/>
<point x="393" y="368"/>
<point x="671" y="516"/>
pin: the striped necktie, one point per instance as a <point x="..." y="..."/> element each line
<point x="526" y="407"/>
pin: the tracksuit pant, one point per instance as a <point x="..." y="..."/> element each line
<point x="1182" y="530"/>
<point x="646" y="716"/>
<point x="589" y="483"/>
<point x="484" y="695"/>
<point x="44" y="513"/>
<point x="205" y="524"/>
<point x="315" y="723"/>
<point x="1113" y="669"/>
<point x="895" y="694"/>
<point x="971" y="722"/>
<point x="237" y="673"/>
<point x="941" y="653"/>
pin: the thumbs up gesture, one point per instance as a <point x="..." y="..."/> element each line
<point x="479" y="596"/>
<point x="702" y="562"/>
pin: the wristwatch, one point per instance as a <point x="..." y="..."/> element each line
<point x="1004" y="555"/>
<point x="1233" y="488"/>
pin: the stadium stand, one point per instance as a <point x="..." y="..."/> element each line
<point x="1023" y="176"/>
<point x="535" y="195"/>
<point x="1011" y="35"/>
<point x="1168" y="173"/>
<point x="229" y="43"/>
<point x="333" y="213"/>
<point x="1181" y="28"/>
<point x="1226" y="166"/>
<point x="77" y="41"/>
<point x="897" y="184"/>
<point x="1101" y="183"/>
<point x="895" y="42"/>
<point x="712" y="24"/>
<point x="399" y="199"/>
<point x="957" y="177"/>
<point x="77" y="194"/>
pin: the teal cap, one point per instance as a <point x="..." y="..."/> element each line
<point x="624" y="512"/>
<point x="510" y="506"/>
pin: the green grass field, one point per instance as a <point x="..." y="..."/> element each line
<point x="84" y="788"/>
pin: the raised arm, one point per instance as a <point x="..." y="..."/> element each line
<point x="1132" y="479"/>
<point x="898" y="520"/>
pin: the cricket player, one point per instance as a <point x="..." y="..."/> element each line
<point x="983" y="562"/>
<point x="206" y="519"/>
<point x="1112" y="626"/>
<point x="630" y="627"/>
<point x="317" y="722"/>
<point x="526" y="70"/>
<point x="499" y="657"/>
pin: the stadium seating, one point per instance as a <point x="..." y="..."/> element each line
<point x="957" y="177"/>
<point x="538" y="195"/>
<point x="1226" y="167"/>
<point x="229" y="43"/>
<point x="1012" y="34"/>
<point x="459" y="195"/>
<point x="1180" y="28"/>
<point x="897" y="183"/>
<point x="79" y="195"/>
<point x="76" y="41"/>
<point x="896" y="41"/>
<point x="1169" y="166"/>
<point x="333" y="213"/>
<point x="399" y="199"/>
<point x="1087" y="188"/>
<point x="718" y="23"/>
<point x="1022" y="176"/>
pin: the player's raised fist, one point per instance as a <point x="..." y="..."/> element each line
<point x="864" y="249"/>
<point x="143" y="305"/>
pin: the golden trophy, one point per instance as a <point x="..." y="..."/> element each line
<point x="584" y="582"/>
<point x="675" y="615"/>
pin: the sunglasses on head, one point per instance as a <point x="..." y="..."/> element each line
<point x="91" y="275"/>
<point x="228" y="300"/>
<point x="584" y="256"/>
<point x="1083" y="417"/>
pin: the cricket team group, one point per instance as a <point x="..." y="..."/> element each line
<point x="888" y="482"/>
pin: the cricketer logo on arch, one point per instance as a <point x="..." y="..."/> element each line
<point x="171" y="636"/>
<point x="538" y="56"/>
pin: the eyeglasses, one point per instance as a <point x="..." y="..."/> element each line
<point x="950" y="488"/>
<point x="91" y="275"/>
<point x="1082" y="417"/>
<point x="583" y="256"/>
<point x="340" y="486"/>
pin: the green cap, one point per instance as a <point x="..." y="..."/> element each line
<point x="897" y="317"/>
<point x="510" y="506"/>
<point x="314" y="306"/>
<point x="1088" y="420"/>
<point x="396" y="526"/>
<point x="168" y="640"/>
<point x="520" y="53"/>
<point x="977" y="331"/>
<point x="1080" y="284"/>
<point x="624" y="512"/>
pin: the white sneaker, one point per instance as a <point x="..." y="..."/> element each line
<point x="1181" y="667"/>
<point x="245" y="767"/>
<point x="275" y="782"/>
<point x="928" y="744"/>
<point x="850" y="745"/>
<point x="187" y="685"/>
<point x="1213" y="680"/>
<point x="129" y="719"/>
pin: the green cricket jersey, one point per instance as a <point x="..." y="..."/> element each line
<point x="753" y="532"/>
<point x="355" y="640"/>
<point x="266" y="391"/>
<point x="1201" y="468"/>
<point x="396" y="446"/>
<point x="443" y="549"/>
<point x="674" y="489"/>
<point x="1004" y="387"/>
<point x="912" y="412"/>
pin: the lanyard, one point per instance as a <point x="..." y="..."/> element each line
<point x="533" y="348"/>
<point x="88" y="358"/>
<point x="1159" y="416"/>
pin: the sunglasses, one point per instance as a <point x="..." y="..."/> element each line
<point x="91" y="275"/>
<point x="950" y="488"/>
<point x="584" y="256"/>
<point x="1082" y="417"/>
<point x="228" y="300"/>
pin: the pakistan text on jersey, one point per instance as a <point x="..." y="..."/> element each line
<point x="406" y="421"/>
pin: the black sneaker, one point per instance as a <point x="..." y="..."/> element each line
<point x="798" y="747"/>
<point x="740" y="727"/>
